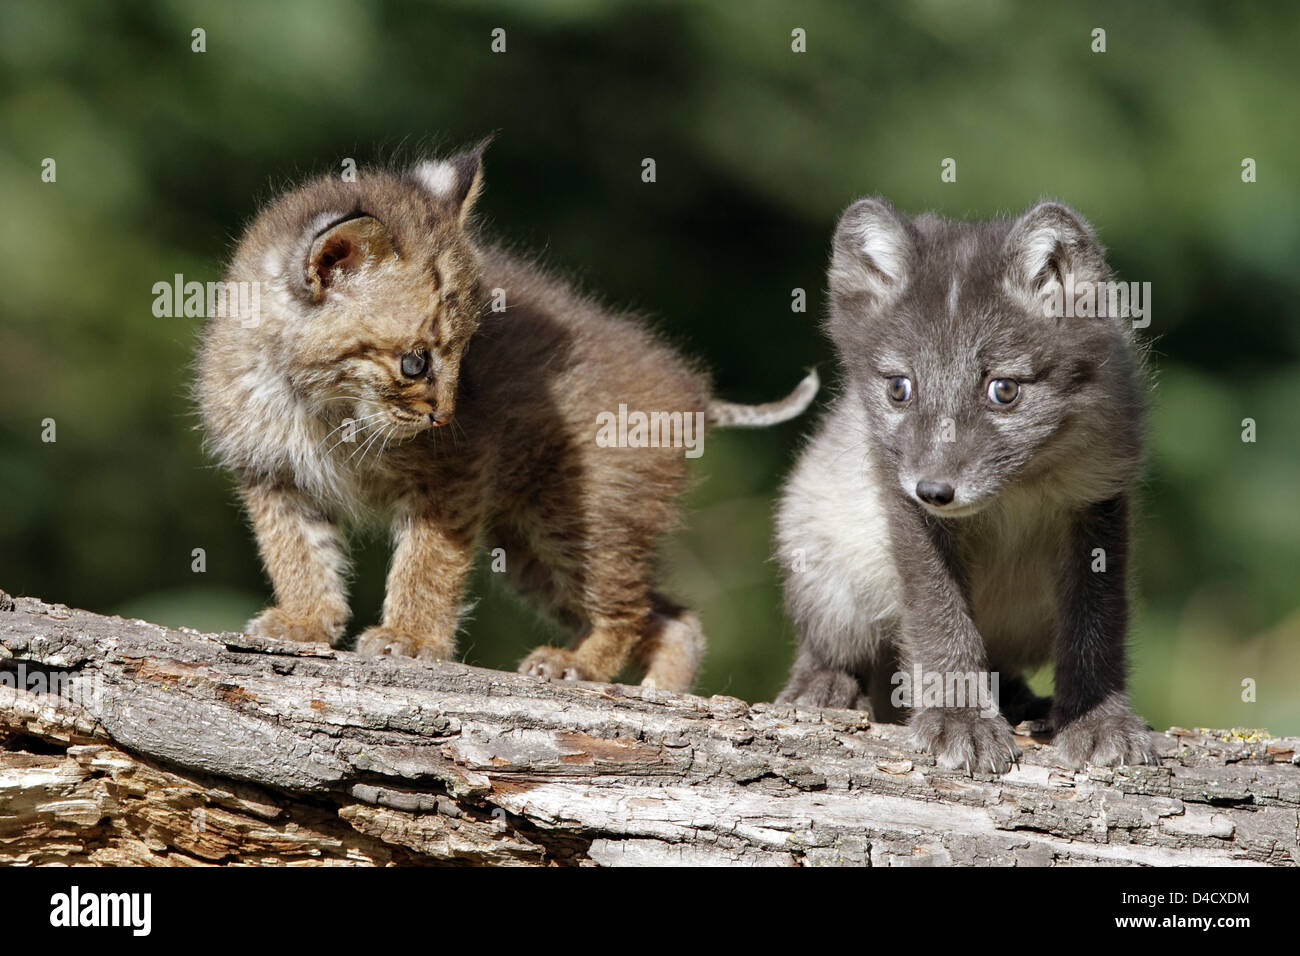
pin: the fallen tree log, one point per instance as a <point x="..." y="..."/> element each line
<point x="124" y="742"/>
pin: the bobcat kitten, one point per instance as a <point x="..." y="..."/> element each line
<point x="953" y="512"/>
<point x="374" y="336"/>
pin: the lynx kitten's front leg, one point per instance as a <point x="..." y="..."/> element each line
<point x="435" y="549"/>
<point x="302" y="551"/>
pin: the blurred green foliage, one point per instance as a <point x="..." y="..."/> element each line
<point x="162" y="154"/>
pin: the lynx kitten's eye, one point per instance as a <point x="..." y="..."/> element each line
<point x="414" y="364"/>
<point x="899" y="389"/>
<point x="1003" y="391"/>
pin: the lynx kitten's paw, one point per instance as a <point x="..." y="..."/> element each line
<point x="275" y="623"/>
<point x="554" y="663"/>
<point x="386" y="641"/>
<point x="961" y="739"/>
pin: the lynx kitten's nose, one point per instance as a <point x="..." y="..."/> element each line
<point x="935" y="492"/>
<point x="440" y="419"/>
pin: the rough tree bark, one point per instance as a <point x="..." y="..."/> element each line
<point x="127" y="742"/>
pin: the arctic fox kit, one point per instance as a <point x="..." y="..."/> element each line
<point x="963" y="507"/>
<point x="379" y="378"/>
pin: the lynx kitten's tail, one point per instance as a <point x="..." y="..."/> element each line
<point x="769" y="413"/>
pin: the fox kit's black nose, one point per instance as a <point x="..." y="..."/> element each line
<point x="935" y="492"/>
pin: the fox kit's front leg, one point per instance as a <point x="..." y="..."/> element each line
<point x="302" y="551"/>
<point x="433" y="555"/>
<point x="938" y="635"/>
<point x="1091" y="712"/>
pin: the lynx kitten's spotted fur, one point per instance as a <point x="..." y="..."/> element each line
<point x="376" y="379"/>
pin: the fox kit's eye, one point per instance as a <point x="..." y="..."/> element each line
<point x="1003" y="391"/>
<point x="414" y="363"/>
<point x="899" y="389"/>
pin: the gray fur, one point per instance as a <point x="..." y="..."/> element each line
<point x="999" y="578"/>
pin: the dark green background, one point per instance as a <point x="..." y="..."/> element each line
<point x="163" y="154"/>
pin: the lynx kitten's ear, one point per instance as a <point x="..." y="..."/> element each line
<point x="872" y="251"/>
<point x="1047" y="243"/>
<point x="455" y="181"/>
<point x="345" y="249"/>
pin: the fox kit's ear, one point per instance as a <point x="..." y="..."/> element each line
<point x="872" y="251"/>
<point x="456" y="181"/>
<point x="345" y="249"/>
<point x="1047" y="243"/>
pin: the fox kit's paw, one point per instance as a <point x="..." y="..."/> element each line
<point x="961" y="739"/>
<point x="554" y="663"/>
<point x="823" y="688"/>
<point x="275" y="623"/>
<point x="1107" y="735"/>
<point x="386" y="641"/>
